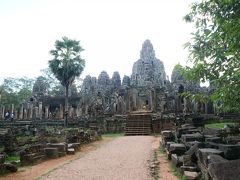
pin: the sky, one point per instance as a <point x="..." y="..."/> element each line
<point x="110" y="31"/>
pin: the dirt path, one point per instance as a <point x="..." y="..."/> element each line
<point x="32" y="172"/>
<point x="123" y="158"/>
<point x="164" y="170"/>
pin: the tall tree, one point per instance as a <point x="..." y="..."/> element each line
<point x="215" y="49"/>
<point x="66" y="65"/>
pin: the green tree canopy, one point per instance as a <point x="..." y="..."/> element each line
<point x="215" y="49"/>
<point x="67" y="64"/>
<point x="15" y="91"/>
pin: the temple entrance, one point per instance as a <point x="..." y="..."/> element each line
<point x="138" y="123"/>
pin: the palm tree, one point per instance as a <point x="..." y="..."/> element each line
<point x="66" y="65"/>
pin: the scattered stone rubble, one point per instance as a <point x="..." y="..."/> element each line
<point x="203" y="153"/>
<point x="49" y="143"/>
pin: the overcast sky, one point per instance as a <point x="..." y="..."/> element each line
<point x="110" y="31"/>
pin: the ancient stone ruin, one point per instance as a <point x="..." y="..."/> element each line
<point x="107" y="100"/>
<point x="144" y="103"/>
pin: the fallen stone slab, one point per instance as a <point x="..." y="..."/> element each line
<point x="176" y="160"/>
<point x="177" y="148"/>
<point x="189" y="168"/>
<point x="167" y="135"/>
<point x="75" y="146"/>
<point x="10" y="167"/>
<point x="203" y="153"/>
<point x="189" y="175"/>
<point x="168" y="144"/>
<point x="229" y="170"/>
<point x="51" y="152"/>
<point x="71" y="151"/>
<point x="187" y="160"/>
<point x="192" y="137"/>
<point x="60" y="146"/>
<point x="214" y="158"/>
<point x="231" y="152"/>
<point x="213" y="139"/>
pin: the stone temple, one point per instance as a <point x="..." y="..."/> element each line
<point x="146" y="90"/>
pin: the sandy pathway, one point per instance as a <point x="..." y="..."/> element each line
<point x="124" y="158"/>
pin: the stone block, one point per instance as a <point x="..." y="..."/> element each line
<point x="60" y="146"/>
<point x="187" y="160"/>
<point x="177" y="148"/>
<point x="202" y="154"/>
<point x="229" y="170"/>
<point x="189" y="175"/>
<point x="192" y="137"/>
<point x="214" y="158"/>
<point x="231" y="152"/>
<point x="189" y="168"/>
<point x="168" y="144"/>
<point x="10" y="167"/>
<point x="167" y="135"/>
<point x="71" y="151"/>
<point x="75" y="146"/>
<point x="51" y="152"/>
<point x="176" y="160"/>
<point x="213" y="139"/>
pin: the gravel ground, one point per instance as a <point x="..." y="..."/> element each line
<point x="124" y="158"/>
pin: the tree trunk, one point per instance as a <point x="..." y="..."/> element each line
<point x="66" y="107"/>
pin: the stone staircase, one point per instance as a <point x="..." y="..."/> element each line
<point x="139" y="123"/>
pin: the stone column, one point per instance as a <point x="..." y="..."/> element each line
<point x="2" y="112"/>
<point x="46" y="112"/>
<point x="61" y="113"/>
<point x="86" y="109"/>
<point x="21" y="112"/>
<point x="36" y="115"/>
<point x="79" y="111"/>
<point x="25" y="114"/>
<point x="16" y="116"/>
<point x="206" y="108"/>
<point x="40" y="110"/>
<point x="70" y="110"/>
<point x="12" y="108"/>
<point x="30" y="115"/>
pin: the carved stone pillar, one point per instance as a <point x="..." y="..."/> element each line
<point x="25" y="113"/>
<point x="86" y="109"/>
<point x="30" y="116"/>
<point x="21" y="113"/>
<point x="206" y="108"/>
<point x="2" y="111"/>
<point x="46" y="112"/>
<point x="61" y="113"/>
<point x="40" y="110"/>
<point x="16" y="116"/>
<point x="36" y="115"/>
<point x="79" y="111"/>
<point x="12" y="108"/>
<point x="70" y="112"/>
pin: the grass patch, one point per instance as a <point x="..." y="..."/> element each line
<point x="12" y="158"/>
<point x="162" y="150"/>
<point x="176" y="172"/>
<point x="154" y="166"/>
<point x="217" y="125"/>
<point x="113" y="135"/>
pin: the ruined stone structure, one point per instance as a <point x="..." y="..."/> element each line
<point x="147" y="89"/>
